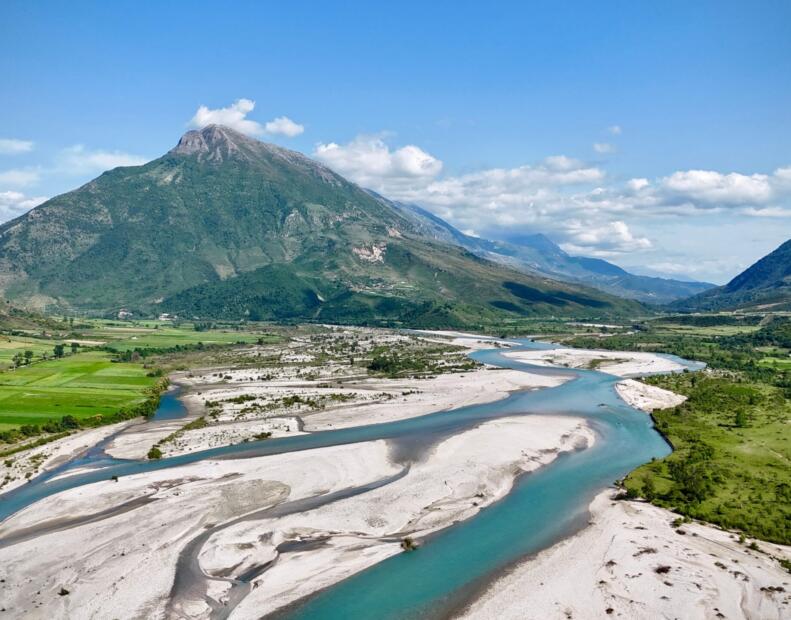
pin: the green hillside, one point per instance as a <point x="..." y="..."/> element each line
<point x="764" y="285"/>
<point x="223" y="225"/>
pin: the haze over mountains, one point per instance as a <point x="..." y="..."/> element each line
<point x="539" y="255"/>
<point x="227" y="226"/>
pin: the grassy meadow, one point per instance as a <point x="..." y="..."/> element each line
<point x="732" y="450"/>
<point x="109" y="374"/>
<point x="163" y="335"/>
<point x="83" y="385"/>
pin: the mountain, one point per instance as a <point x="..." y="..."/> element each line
<point x="227" y="226"/>
<point x="537" y="254"/>
<point x="766" y="284"/>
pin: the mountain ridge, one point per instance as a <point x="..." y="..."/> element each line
<point x="538" y="254"/>
<point x="222" y="217"/>
<point x="765" y="283"/>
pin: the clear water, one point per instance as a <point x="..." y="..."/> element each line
<point x="543" y="507"/>
<point x="170" y="406"/>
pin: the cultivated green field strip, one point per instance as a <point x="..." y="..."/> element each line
<point x="81" y="385"/>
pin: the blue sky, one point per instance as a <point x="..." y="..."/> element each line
<point x="656" y="135"/>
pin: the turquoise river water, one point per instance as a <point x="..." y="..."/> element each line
<point x="451" y="566"/>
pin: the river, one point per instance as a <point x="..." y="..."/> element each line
<point x="448" y="570"/>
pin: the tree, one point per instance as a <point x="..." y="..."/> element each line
<point x="74" y="347"/>
<point x="69" y="421"/>
<point x="28" y="356"/>
<point x="649" y="489"/>
<point x="741" y="419"/>
<point x="58" y="350"/>
<point x="692" y="477"/>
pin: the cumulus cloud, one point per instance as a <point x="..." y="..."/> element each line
<point x="602" y="240"/>
<point x="285" y="126"/>
<point x="603" y="147"/>
<point x="409" y="173"/>
<point x="714" y="188"/>
<point x="615" y="130"/>
<point x="19" y="177"/>
<point x="369" y="161"/>
<point x="12" y="146"/>
<point x="78" y="160"/>
<point x="509" y="189"/>
<point x="573" y="200"/>
<point x="691" y="192"/>
<point x="235" y="117"/>
<point x="14" y="204"/>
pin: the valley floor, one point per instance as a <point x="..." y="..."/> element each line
<point x="241" y="538"/>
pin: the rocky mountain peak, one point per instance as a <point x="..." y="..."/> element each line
<point x="218" y="143"/>
<point x="214" y="143"/>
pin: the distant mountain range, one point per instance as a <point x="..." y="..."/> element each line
<point x="766" y="285"/>
<point x="227" y="226"/>
<point x="538" y="255"/>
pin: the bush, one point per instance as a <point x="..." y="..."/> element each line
<point x="408" y="544"/>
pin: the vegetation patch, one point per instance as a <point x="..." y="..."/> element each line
<point x="85" y="389"/>
<point x="731" y="463"/>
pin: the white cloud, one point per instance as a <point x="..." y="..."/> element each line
<point x="235" y="117"/>
<point x="568" y="198"/>
<point x="507" y="188"/>
<point x="615" y="130"/>
<point x="367" y="160"/>
<point x="604" y="147"/>
<point x="768" y="212"/>
<point x="285" y="126"/>
<point x="696" y="192"/>
<point x="19" y="177"/>
<point x="782" y="177"/>
<point x="12" y="146"/>
<point x="78" y="160"/>
<point x="715" y="188"/>
<point x="607" y="239"/>
<point x="14" y="204"/>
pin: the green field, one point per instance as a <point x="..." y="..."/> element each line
<point x="707" y="330"/>
<point x="93" y="333"/>
<point x="11" y="345"/>
<point x="83" y="385"/>
<point x="778" y="363"/>
<point x="163" y="336"/>
<point x="94" y="381"/>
